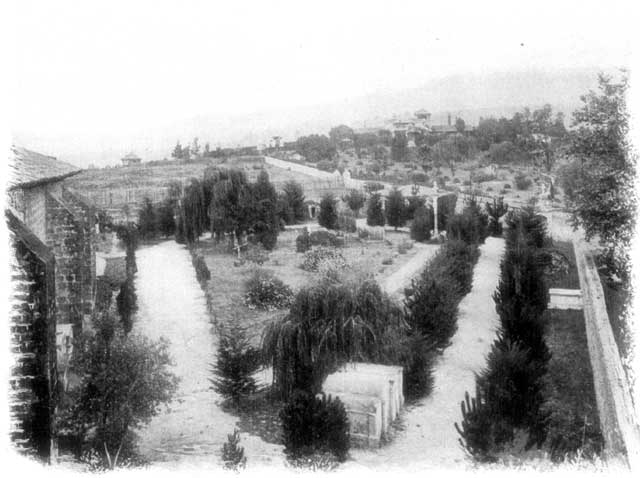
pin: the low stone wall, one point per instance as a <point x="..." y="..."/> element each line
<point x="615" y="408"/>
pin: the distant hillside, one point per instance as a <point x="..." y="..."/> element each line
<point x="469" y="96"/>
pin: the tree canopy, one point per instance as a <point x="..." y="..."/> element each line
<point x="602" y="198"/>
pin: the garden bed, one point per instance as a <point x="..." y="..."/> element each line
<point x="569" y="392"/>
<point x="569" y="278"/>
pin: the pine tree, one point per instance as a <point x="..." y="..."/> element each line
<point x="177" y="151"/>
<point x="328" y="216"/>
<point x="232" y="453"/>
<point x="394" y="210"/>
<point x="375" y="215"/>
<point x="236" y="363"/>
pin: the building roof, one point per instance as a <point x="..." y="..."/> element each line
<point x="444" y="128"/>
<point x="28" y="238"/>
<point x="131" y="157"/>
<point x="29" y="168"/>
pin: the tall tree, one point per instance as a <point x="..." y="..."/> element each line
<point x="603" y="202"/>
<point x="399" y="147"/>
<point x="265" y="218"/>
<point x="328" y="216"/>
<point x="355" y="200"/>
<point x="293" y="203"/>
<point x="395" y="209"/>
<point x="123" y="380"/>
<point x="375" y="214"/>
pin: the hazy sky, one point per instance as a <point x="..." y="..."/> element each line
<point x="109" y="69"/>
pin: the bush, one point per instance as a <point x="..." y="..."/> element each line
<point x="419" y="178"/>
<point x="373" y="187"/>
<point x="387" y="261"/>
<point x="522" y="182"/>
<point x="470" y="226"/>
<point x="507" y="186"/>
<point x="236" y="363"/>
<point x="375" y="214"/>
<point x="404" y="246"/>
<point x="311" y="425"/>
<point x="232" y="453"/>
<point x="303" y="241"/>
<point x="257" y="254"/>
<point x="346" y="222"/>
<point x="484" y="177"/>
<point x="417" y="366"/>
<point x="323" y="258"/>
<point x="328" y="216"/>
<point x="456" y="259"/>
<point x="422" y="224"/>
<point x="324" y="239"/>
<point x="266" y="291"/>
<point x="433" y="307"/>
<point x="202" y="271"/>
<point x="511" y="383"/>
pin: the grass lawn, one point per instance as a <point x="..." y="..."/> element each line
<point x="569" y="381"/>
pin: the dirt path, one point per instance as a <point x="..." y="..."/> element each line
<point x="429" y="438"/>
<point x="395" y="283"/>
<point x="172" y="305"/>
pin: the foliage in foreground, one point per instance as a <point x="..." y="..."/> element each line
<point x="312" y="425"/>
<point x="235" y="365"/>
<point x="125" y="377"/>
<point x="232" y="453"/>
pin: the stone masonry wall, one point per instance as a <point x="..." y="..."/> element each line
<point x="33" y="376"/>
<point x="70" y="241"/>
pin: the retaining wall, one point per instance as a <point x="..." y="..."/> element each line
<point x="615" y="408"/>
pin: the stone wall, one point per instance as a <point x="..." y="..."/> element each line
<point x="615" y="408"/>
<point x="33" y="379"/>
<point x="70" y="237"/>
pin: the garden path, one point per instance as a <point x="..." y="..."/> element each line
<point x="428" y="438"/>
<point x="193" y="428"/>
<point x="395" y="283"/>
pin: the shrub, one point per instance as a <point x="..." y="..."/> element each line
<point x="373" y="187"/>
<point x="346" y="222"/>
<point x="303" y="241"/>
<point x="404" y="246"/>
<point x="466" y="182"/>
<point x="456" y="180"/>
<point x="417" y="366"/>
<point x="470" y="226"/>
<point x="484" y="177"/>
<point x="456" y="259"/>
<point x="266" y="291"/>
<point x="257" y="254"/>
<point x="433" y="307"/>
<point x="522" y="182"/>
<point x="322" y="258"/>
<point x="419" y="178"/>
<point x="395" y="209"/>
<point x="496" y="210"/>
<point x="311" y="424"/>
<point x="387" y="261"/>
<point x="375" y="214"/>
<point x="507" y="186"/>
<point x="324" y="239"/>
<point x="422" y="224"/>
<point x="478" y="428"/>
<point x="236" y="363"/>
<point x="202" y="271"/>
<point x="328" y="216"/>
<point x="232" y="453"/>
<point x="512" y="384"/>
<point x="363" y="234"/>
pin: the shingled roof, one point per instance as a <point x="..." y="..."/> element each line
<point x="29" y="168"/>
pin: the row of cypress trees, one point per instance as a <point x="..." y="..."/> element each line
<point x="509" y="389"/>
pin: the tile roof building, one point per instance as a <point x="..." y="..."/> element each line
<point x="52" y="233"/>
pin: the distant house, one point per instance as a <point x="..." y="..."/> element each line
<point x="130" y="160"/>
<point x="52" y="233"/>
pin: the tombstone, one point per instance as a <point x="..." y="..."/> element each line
<point x="377" y="387"/>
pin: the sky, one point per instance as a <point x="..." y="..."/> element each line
<point x="91" y="75"/>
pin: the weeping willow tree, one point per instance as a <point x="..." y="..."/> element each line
<point x="328" y="325"/>
<point x="193" y="218"/>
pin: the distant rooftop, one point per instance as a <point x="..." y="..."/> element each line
<point x="29" y="168"/>
<point x="132" y="157"/>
